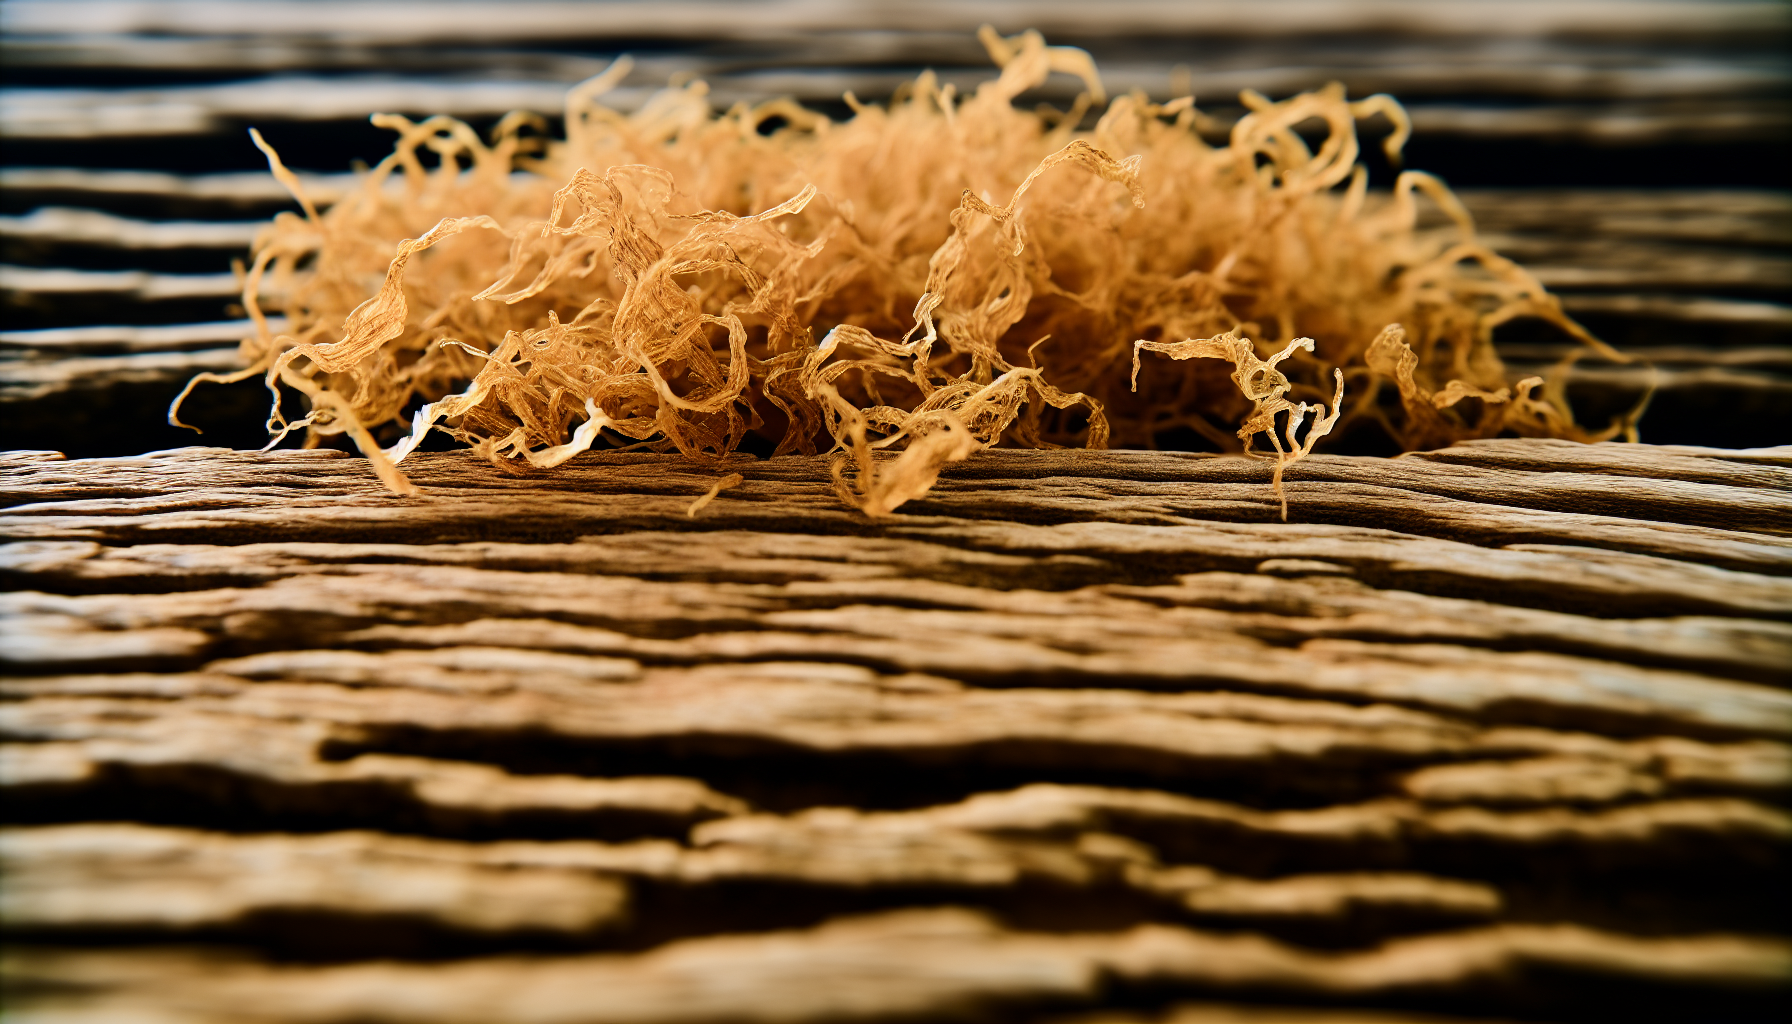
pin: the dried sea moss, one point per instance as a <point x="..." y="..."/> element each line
<point x="935" y="276"/>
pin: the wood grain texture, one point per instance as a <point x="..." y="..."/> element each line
<point x="1501" y="731"/>
<point x="1499" y="728"/>
<point x="906" y="965"/>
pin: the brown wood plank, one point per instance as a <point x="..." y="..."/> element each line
<point x="1501" y="727"/>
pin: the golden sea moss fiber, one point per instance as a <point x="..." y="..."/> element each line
<point x="936" y="276"/>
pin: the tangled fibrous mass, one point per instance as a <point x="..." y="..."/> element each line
<point x="933" y="277"/>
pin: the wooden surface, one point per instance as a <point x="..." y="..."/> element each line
<point x="1500" y="729"/>
<point x="1500" y="732"/>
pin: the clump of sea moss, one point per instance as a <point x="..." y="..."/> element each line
<point x="937" y="275"/>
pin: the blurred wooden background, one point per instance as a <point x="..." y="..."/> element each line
<point x="1635" y="154"/>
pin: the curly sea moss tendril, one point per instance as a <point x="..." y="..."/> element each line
<point x="1266" y="387"/>
<point x="933" y="276"/>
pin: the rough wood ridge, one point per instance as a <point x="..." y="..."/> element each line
<point x="1499" y="729"/>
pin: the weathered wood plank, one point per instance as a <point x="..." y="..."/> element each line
<point x="1073" y="643"/>
<point x="323" y="496"/>
<point x="416" y="702"/>
<point x="25" y="380"/>
<point x="1089" y="696"/>
<point x="64" y="225"/>
<point x="1678" y="489"/>
<point x="1500" y="730"/>
<point x="104" y="878"/>
<point x="1322" y="600"/>
<point x="905" y="965"/>
<point x="124" y="878"/>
